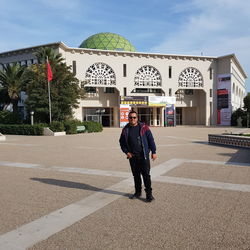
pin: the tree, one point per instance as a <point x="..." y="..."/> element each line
<point x="44" y="52"/>
<point x="239" y="113"/>
<point x="11" y="79"/>
<point x="64" y="89"/>
<point x="246" y="101"/>
<point x="4" y="98"/>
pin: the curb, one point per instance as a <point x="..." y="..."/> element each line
<point x="47" y="131"/>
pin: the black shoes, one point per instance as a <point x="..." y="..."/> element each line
<point x="149" y="198"/>
<point x="135" y="196"/>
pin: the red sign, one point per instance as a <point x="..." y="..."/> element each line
<point x="124" y="114"/>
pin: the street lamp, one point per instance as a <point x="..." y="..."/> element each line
<point x="31" y="117"/>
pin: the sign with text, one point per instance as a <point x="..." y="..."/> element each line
<point x="224" y="110"/>
<point x="161" y="101"/>
<point x="134" y="100"/>
<point x="170" y="115"/>
<point x="124" y="110"/>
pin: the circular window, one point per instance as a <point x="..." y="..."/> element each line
<point x="100" y="74"/>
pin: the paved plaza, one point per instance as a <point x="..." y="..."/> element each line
<point x="71" y="192"/>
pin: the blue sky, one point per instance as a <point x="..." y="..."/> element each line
<point x="214" y="27"/>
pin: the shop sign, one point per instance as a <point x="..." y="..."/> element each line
<point x="134" y="100"/>
<point x="224" y="110"/>
<point x="124" y="110"/>
<point x="161" y="101"/>
<point x="170" y="115"/>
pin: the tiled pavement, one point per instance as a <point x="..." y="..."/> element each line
<point x="71" y="192"/>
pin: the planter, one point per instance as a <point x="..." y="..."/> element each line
<point x="2" y="137"/>
<point x="48" y="132"/>
<point x="230" y="140"/>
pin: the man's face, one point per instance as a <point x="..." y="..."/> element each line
<point x="133" y="119"/>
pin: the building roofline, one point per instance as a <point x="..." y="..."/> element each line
<point x="31" y="48"/>
<point x="65" y="47"/>
<point x="236" y="61"/>
<point x="134" y="52"/>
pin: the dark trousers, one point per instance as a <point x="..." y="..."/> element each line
<point x="141" y="166"/>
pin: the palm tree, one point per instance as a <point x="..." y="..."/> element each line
<point x="44" y="52"/>
<point x="11" y="83"/>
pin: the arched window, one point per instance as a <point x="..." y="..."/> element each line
<point x="100" y="74"/>
<point x="190" y="77"/>
<point x="147" y="76"/>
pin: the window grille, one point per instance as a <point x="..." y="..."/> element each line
<point x="190" y="77"/>
<point x="100" y="74"/>
<point x="147" y="76"/>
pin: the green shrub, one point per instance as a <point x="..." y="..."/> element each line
<point x="71" y="126"/>
<point x="239" y="113"/>
<point x="22" y="129"/>
<point x="56" y="126"/>
<point x="92" y="126"/>
<point x="7" y="117"/>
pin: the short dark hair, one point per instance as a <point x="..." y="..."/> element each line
<point x="132" y="112"/>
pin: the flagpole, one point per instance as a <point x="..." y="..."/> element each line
<point x="50" y="119"/>
<point x="49" y="102"/>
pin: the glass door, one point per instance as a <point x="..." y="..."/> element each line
<point x="145" y="115"/>
<point x="101" y="115"/>
<point x="178" y="116"/>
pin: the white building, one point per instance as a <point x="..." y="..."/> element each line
<point x="207" y="89"/>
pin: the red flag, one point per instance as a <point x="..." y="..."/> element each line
<point x="49" y="72"/>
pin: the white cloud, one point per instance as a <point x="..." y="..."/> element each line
<point x="215" y="27"/>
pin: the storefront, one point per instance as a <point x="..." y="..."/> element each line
<point x="151" y="109"/>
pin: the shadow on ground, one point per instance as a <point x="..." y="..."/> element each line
<point x="241" y="156"/>
<point x="78" y="185"/>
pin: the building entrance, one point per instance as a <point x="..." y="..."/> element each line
<point x="145" y="115"/>
<point x="178" y="116"/>
<point x="150" y="116"/>
<point x="101" y="115"/>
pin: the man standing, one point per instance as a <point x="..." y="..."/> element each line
<point x="136" y="142"/>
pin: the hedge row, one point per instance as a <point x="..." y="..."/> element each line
<point x="92" y="126"/>
<point x="69" y="126"/>
<point x="10" y="129"/>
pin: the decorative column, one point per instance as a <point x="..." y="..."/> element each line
<point x="116" y="116"/>
<point x="207" y="105"/>
<point x="162" y="121"/>
<point x="154" y="116"/>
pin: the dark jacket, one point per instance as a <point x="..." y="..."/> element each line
<point x="148" y="143"/>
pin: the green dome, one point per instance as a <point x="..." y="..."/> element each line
<point x="107" y="41"/>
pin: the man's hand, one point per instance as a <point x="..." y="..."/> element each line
<point x="153" y="156"/>
<point x="129" y="155"/>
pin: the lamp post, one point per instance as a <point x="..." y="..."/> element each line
<point x="31" y="117"/>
